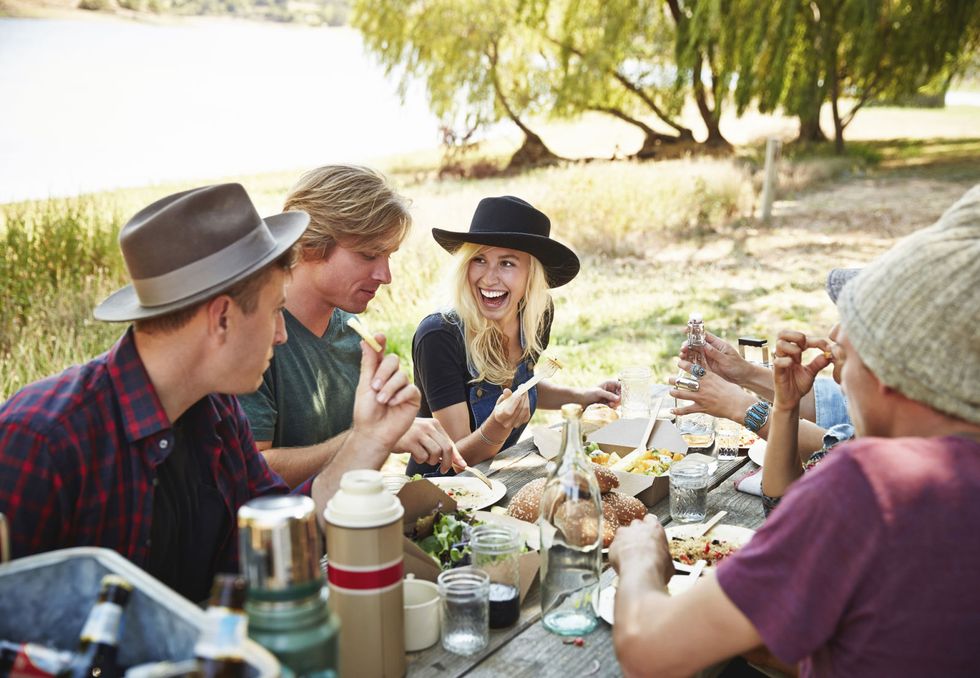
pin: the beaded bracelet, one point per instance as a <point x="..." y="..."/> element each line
<point x="479" y="429"/>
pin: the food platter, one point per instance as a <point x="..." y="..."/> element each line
<point x="747" y="439"/>
<point x="757" y="452"/>
<point x="679" y="583"/>
<point x="470" y="493"/>
<point x="731" y="534"/>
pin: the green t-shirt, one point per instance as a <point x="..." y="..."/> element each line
<point x="307" y="394"/>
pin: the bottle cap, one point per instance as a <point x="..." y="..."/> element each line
<point x="571" y="411"/>
<point x="362" y="502"/>
<point x="279" y="542"/>
<point x="695" y="318"/>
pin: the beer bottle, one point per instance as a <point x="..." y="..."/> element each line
<point x="221" y="647"/>
<point x="99" y="642"/>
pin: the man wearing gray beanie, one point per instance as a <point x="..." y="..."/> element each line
<point x="838" y="580"/>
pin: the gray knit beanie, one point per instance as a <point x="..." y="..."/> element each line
<point x="914" y="313"/>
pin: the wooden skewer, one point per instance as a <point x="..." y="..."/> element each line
<point x="706" y="528"/>
<point x="359" y="327"/>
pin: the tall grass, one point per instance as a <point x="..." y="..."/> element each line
<point x="57" y="258"/>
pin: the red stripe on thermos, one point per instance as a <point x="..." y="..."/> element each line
<point x="361" y="580"/>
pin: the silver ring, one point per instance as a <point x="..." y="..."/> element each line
<point x="687" y="384"/>
<point x="697" y="370"/>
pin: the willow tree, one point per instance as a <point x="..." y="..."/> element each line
<point x="702" y="58"/>
<point x="614" y="57"/>
<point x="847" y="52"/>
<point x="477" y="60"/>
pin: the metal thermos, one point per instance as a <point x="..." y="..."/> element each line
<point x="364" y="572"/>
<point x="280" y="553"/>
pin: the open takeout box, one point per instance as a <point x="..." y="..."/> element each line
<point x="419" y="498"/>
<point x="622" y="437"/>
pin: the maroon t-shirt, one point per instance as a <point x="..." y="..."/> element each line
<point x="871" y="565"/>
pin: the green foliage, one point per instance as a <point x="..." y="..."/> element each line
<point x="57" y="258"/>
<point x="465" y="51"/>
<point x="799" y="53"/>
<point x="612" y="55"/>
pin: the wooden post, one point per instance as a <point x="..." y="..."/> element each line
<point x="769" y="187"/>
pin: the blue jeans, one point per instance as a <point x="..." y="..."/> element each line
<point x="831" y="405"/>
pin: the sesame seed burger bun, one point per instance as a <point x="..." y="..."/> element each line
<point x="626" y="508"/>
<point x="526" y="503"/>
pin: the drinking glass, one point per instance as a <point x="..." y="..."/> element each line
<point x="496" y="550"/>
<point x="727" y="435"/>
<point x="636" y="385"/>
<point x="689" y="491"/>
<point x="465" y="609"/>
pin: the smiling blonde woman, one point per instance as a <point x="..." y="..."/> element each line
<point x="470" y="358"/>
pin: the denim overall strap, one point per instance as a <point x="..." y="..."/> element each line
<point x="483" y="396"/>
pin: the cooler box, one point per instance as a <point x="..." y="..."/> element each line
<point x="46" y="599"/>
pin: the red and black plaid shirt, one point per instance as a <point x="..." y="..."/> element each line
<point x="79" y="453"/>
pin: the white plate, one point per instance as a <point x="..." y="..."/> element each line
<point x="737" y="536"/>
<point x="757" y="452"/>
<point x="476" y="494"/>
<point x="607" y="596"/>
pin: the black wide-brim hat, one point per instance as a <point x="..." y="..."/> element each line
<point x="510" y="222"/>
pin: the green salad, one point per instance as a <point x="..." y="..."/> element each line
<point x="445" y="536"/>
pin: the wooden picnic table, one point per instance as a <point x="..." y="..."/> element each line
<point x="527" y="648"/>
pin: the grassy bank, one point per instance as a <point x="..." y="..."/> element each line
<point x="657" y="240"/>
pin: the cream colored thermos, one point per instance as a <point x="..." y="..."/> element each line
<point x="364" y="572"/>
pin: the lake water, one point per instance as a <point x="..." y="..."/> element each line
<point x="94" y="104"/>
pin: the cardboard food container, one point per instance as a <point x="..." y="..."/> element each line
<point x="420" y="497"/>
<point x="622" y="437"/>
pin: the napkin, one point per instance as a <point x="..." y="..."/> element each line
<point x="750" y="483"/>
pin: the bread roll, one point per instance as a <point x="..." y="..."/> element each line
<point x="626" y="508"/>
<point x="526" y="503"/>
<point x="598" y="413"/>
<point x="610" y="523"/>
<point x="606" y="478"/>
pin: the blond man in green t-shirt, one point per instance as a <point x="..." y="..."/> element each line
<point x="303" y="410"/>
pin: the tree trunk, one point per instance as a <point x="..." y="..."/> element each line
<point x="653" y="141"/>
<point x="715" y="137"/>
<point x="532" y="153"/>
<point x="810" y="131"/>
<point x="838" y="123"/>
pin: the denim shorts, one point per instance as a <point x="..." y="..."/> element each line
<point x="831" y="405"/>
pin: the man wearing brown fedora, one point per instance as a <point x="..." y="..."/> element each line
<point x="145" y="449"/>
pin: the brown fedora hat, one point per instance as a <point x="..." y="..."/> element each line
<point x="190" y="246"/>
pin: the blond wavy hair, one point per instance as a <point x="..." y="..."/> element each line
<point x="486" y="345"/>
<point x="350" y="204"/>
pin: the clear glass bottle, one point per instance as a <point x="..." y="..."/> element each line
<point x="99" y="641"/>
<point x="570" y="521"/>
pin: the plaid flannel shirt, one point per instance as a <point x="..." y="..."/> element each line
<point x="79" y="452"/>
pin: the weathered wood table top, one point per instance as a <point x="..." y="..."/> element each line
<point x="526" y="648"/>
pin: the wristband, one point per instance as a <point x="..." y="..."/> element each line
<point x="756" y="416"/>
<point x="479" y="429"/>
